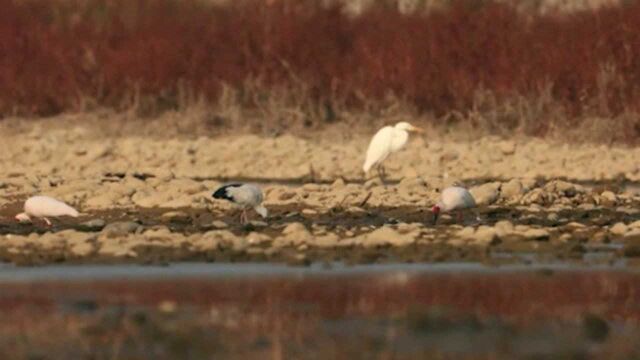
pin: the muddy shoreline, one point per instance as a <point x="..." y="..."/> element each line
<point x="148" y="199"/>
<point x="294" y="236"/>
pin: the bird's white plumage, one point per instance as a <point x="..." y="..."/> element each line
<point x="45" y="207"/>
<point x="387" y="140"/>
<point x="456" y="198"/>
<point x="247" y="196"/>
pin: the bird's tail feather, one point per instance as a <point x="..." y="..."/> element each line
<point x="367" y="166"/>
<point x="261" y="210"/>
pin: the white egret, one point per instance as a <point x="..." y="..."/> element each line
<point x="453" y="198"/>
<point x="387" y="140"/>
<point x="244" y="195"/>
<point x="45" y="207"/>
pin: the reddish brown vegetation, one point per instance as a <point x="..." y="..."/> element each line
<point x="56" y="56"/>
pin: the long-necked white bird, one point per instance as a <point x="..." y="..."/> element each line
<point x="244" y="195"/>
<point x="45" y="207"/>
<point x="387" y="140"/>
<point x="453" y="198"/>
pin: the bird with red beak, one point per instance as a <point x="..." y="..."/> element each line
<point x="453" y="198"/>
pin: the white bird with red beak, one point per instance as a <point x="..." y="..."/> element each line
<point x="45" y="207"/>
<point x="386" y="141"/>
<point x="453" y="198"/>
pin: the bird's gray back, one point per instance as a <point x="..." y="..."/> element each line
<point x="247" y="194"/>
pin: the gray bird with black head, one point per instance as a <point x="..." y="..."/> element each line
<point x="245" y="196"/>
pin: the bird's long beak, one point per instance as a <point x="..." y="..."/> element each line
<point x="417" y="130"/>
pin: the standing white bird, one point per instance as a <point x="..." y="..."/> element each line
<point x="453" y="198"/>
<point x="45" y="207"/>
<point x="387" y="140"/>
<point x="244" y="195"/>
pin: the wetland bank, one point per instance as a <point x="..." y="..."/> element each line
<point x="549" y="268"/>
<point x="135" y="111"/>
<point x="148" y="199"/>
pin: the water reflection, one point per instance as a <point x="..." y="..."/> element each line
<point x="276" y="312"/>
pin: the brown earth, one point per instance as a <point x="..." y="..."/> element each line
<point x="148" y="198"/>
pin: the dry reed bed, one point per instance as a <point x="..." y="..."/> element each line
<point x="157" y="55"/>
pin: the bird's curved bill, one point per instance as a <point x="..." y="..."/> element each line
<point x="417" y="129"/>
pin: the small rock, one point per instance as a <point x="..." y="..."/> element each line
<point x="82" y="249"/>
<point x="311" y="187"/>
<point x="309" y="212"/>
<point x="511" y="189"/>
<point x="255" y="238"/>
<point x="618" y="229"/>
<point x="536" y="234"/>
<point x="293" y="234"/>
<point x="601" y="237"/>
<point x="566" y="237"/>
<point x="575" y="225"/>
<point x="219" y="224"/>
<point x="486" y="194"/>
<point x="536" y="196"/>
<point x="507" y="147"/>
<point x="121" y="228"/>
<point x="102" y="201"/>
<point x="586" y="207"/>
<point x="356" y="210"/>
<point x="294" y="228"/>
<point x="632" y="235"/>
<point x="563" y="188"/>
<point x="258" y="223"/>
<point x="635" y="225"/>
<point x="161" y="233"/>
<point x="503" y="228"/>
<point x="609" y="195"/>
<point x="387" y="236"/>
<point x="176" y="217"/>
<point x="92" y="225"/>
<point x="339" y="183"/>
<point x="326" y="241"/>
<point x="466" y="233"/>
<point x="375" y="182"/>
<point x="486" y="235"/>
<point x="627" y="210"/>
<point x="553" y="217"/>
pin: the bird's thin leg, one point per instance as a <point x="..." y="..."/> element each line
<point x="381" y="173"/>
<point x="245" y="218"/>
<point x="460" y="218"/>
<point x="478" y="218"/>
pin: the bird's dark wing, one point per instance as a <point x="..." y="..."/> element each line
<point x="221" y="193"/>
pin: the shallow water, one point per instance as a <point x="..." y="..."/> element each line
<point x="249" y="270"/>
<point x="325" y="310"/>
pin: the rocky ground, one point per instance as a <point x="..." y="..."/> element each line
<point x="148" y="198"/>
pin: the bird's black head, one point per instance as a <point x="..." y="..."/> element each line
<point x="221" y="193"/>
